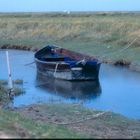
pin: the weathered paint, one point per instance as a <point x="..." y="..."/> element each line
<point x="63" y="70"/>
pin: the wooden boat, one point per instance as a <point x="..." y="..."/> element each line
<point x="64" y="64"/>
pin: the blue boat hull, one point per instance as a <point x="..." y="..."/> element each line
<point x="65" y="66"/>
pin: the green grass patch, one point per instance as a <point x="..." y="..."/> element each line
<point x="4" y="90"/>
<point x="20" y="127"/>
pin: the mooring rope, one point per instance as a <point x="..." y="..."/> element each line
<point x="56" y="69"/>
<point x="29" y="63"/>
<point x="121" y="50"/>
<point x="129" y="44"/>
<point x="83" y="61"/>
<point x="80" y="121"/>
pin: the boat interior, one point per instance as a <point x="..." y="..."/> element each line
<point x="55" y="54"/>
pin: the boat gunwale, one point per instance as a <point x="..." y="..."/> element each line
<point x="54" y="62"/>
<point x="85" y="56"/>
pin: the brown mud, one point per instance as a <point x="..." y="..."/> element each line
<point x="95" y="124"/>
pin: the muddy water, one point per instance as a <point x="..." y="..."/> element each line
<point x="117" y="90"/>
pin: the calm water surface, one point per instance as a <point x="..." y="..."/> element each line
<point x="117" y="90"/>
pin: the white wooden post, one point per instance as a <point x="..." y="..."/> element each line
<point x="9" y="72"/>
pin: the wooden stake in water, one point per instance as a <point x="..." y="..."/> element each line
<point x="9" y="73"/>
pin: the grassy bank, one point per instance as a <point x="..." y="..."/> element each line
<point x="65" y="121"/>
<point x="109" y="36"/>
<point x="14" y="125"/>
<point x="5" y="97"/>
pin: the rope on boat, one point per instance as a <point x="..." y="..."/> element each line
<point x="83" y="62"/>
<point x="56" y="69"/>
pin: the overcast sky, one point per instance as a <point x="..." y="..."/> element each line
<point x="70" y="5"/>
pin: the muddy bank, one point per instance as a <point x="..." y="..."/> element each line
<point x="120" y="62"/>
<point x="123" y="63"/>
<point x="95" y="124"/>
<point x="21" y="47"/>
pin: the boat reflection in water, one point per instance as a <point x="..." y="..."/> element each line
<point x="69" y="89"/>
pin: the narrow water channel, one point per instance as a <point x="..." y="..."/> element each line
<point x="117" y="90"/>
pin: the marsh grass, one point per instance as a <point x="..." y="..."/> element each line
<point x="102" y="34"/>
<point x="3" y="95"/>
